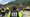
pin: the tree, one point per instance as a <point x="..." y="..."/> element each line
<point x="28" y="3"/>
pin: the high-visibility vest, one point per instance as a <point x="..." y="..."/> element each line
<point x="2" y="11"/>
<point x="7" y="8"/>
<point x="9" y="14"/>
<point x="20" y="14"/>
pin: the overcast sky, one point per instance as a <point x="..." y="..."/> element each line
<point x="5" y="1"/>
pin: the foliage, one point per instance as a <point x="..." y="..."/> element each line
<point x="28" y="3"/>
<point x="21" y="2"/>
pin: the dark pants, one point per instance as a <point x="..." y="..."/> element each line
<point x="3" y="13"/>
<point x="17" y="14"/>
<point x="0" y="12"/>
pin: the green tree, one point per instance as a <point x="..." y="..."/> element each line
<point x="28" y="3"/>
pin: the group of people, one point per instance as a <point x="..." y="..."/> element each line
<point x="8" y="9"/>
<point x="4" y="11"/>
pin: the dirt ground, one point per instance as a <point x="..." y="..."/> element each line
<point x="25" y="14"/>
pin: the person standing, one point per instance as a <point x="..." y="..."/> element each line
<point x="8" y="11"/>
<point x="20" y="14"/>
<point x="2" y="12"/>
<point x="14" y="12"/>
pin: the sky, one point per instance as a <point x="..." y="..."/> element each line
<point x="5" y="1"/>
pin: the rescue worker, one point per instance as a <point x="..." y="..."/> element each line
<point x="14" y="12"/>
<point x="2" y="12"/>
<point x="20" y="14"/>
<point x="8" y="11"/>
